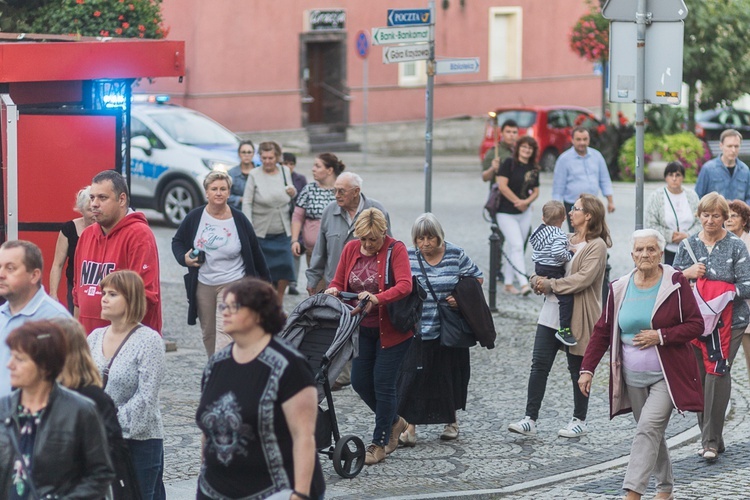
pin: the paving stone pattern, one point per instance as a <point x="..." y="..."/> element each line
<point x="486" y="460"/>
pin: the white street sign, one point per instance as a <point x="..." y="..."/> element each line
<point x="402" y="34"/>
<point x="663" y="76"/>
<point x="457" y="66"/>
<point x="660" y="10"/>
<point x="405" y="53"/>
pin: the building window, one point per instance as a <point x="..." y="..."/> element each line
<point x="505" y="43"/>
<point x="412" y="74"/>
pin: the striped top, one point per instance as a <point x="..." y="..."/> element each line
<point x="443" y="278"/>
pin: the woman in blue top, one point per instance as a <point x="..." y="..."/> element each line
<point x="434" y="379"/>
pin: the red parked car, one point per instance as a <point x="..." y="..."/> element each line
<point x="551" y="126"/>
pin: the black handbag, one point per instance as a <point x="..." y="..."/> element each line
<point x="454" y="330"/>
<point x="404" y="313"/>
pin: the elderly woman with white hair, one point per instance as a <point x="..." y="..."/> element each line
<point x="434" y="379"/>
<point x="65" y="249"/>
<point x="649" y="322"/>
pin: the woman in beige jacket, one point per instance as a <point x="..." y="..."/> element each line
<point x="584" y="279"/>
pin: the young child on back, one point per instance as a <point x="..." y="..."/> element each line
<point x="550" y="254"/>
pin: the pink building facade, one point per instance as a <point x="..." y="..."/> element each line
<point x="257" y="65"/>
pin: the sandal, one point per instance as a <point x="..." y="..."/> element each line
<point x="511" y="290"/>
<point x="525" y="290"/>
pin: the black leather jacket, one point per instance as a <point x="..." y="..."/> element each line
<point x="70" y="458"/>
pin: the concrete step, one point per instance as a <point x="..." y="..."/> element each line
<point x="337" y="146"/>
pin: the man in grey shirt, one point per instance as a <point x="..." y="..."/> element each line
<point x="21" y="286"/>
<point x="337" y="229"/>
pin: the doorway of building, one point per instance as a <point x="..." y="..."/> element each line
<point x="325" y="99"/>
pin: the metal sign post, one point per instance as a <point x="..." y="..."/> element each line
<point x="640" y="115"/>
<point x="363" y="50"/>
<point x="429" y="98"/>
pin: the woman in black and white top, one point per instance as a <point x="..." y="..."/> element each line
<point x="218" y="245"/>
<point x="518" y="181"/>
<point x="131" y="359"/>
<point x="311" y="202"/>
<point x="672" y="210"/>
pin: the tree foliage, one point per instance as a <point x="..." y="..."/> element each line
<point x="113" y="18"/>
<point x="716" y="62"/>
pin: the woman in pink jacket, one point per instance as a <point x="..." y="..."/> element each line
<point x="650" y="319"/>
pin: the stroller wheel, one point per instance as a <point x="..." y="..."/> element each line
<point x="349" y="456"/>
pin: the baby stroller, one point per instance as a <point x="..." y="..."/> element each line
<point x="322" y="328"/>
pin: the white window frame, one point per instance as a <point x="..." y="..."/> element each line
<point x="418" y="79"/>
<point x="514" y="54"/>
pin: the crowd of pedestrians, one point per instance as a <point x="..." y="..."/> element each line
<point x="79" y="385"/>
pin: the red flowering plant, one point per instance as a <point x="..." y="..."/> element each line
<point x="107" y="18"/>
<point x="589" y="37"/>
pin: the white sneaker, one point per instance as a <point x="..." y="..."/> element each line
<point x="526" y="426"/>
<point x="575" y="428"/>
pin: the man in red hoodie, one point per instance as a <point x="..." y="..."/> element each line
<point x="119" y="239"/>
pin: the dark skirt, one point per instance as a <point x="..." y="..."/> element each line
<point x="433" y="383"/>
<point x="277" y="249"/>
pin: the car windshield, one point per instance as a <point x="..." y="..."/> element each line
<point x="191" y="128"/>
<point x="523" y="118"/>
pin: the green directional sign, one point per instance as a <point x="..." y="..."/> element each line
<point x="400" y="34"/>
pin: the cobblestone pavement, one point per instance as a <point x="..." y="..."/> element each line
<point x="486" y="461"/>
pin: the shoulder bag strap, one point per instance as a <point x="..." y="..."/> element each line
<point x="677" y="221"/>
<point x="690" y="250"/>
<point x="427" y="280"/>
<point x="105" y="372"/>
<point x="17" y="451"/>
<point x="388" y="280"/>
<point x="283" y="174"/>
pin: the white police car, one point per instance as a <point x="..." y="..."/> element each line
<point x="172" y="149"/>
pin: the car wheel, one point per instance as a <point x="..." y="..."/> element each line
<point x="549" y="158"/>
<point x="178" y="198"/>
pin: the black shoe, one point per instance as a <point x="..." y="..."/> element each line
<point x="293" y="290"/>
<point x="564" y="336"/>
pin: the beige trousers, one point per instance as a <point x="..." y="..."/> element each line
<point x="212" y="323"/>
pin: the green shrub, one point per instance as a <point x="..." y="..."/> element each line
<point x="683" y="147"/>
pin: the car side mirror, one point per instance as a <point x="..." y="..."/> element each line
<point x="141" y="142"/>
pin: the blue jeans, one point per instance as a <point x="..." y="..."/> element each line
<point x="148" y="462"/>
<point x="546" y="347"/>
<point x="374" y="375"/>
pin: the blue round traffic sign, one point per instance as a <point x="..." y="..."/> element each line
<point x="363" y="44"/>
